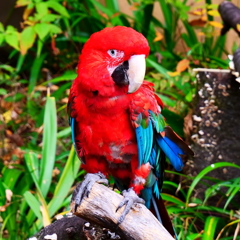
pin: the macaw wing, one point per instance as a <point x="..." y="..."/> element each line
<point x="155" y="140"/>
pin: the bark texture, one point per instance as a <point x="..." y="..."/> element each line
<point x="216" y="124"/>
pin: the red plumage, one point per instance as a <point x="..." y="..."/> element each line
<point x="104" y="112"/>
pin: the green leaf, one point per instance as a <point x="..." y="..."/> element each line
<point x="210" y="228"/>
<point x="58" y="8"/>
<point x="1" y="38"/>
<point x="3" y="91"/>
<point x="15" y="98"/>
<point x="191" y="34"/>
<point x="11" y="29"/>
<point x="113" y="5"/>
<point x="33" y="203"/>
<point x="49" y="18"/>
<point x="1" y="27"/>
<point x="167" y="101"/>
<point x="7" y="68"/>
<point x="65" y="132"/>
<point x="173" y="199"/>
<point x="32" y="163"/>
<point x="234" y="189"/>
<point x="189" y="96"/>
<point x="20" y="62"/>
<point x="42" y="29"/>
<point x="12" y="37"/>
<point x="40" y="45"/>
<point x="10" y="177"/>
<point x="54" y="29"/>
<point x="206" y="170"/>
<point x="2" y="193"/>
<point x="49" y="145"/>
<point x="35" y="69"/>
<point x="105" y="10"/>
<point x="67" y="178"/>
<point x="67" y="76"/>
<point x="158" y="67"/>
<point x="27" y="38"/>
<point x="167" y="13"/>
<point x="42" y="9"/>
<point x="228" y="225"/>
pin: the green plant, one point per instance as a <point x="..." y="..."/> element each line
<point x="194" y="218"/>
<point x="33" y="209"/>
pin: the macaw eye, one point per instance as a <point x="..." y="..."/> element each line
<point x="112" y="53"/>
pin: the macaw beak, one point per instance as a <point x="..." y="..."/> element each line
<point x="136" y="72"/>
<point x="131" y="73"/>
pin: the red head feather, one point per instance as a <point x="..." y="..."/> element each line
<point x="93" y="73"/>
<point x="121" y="38"/>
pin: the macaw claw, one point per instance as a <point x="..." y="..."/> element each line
<point x="84" y="188"/>
<point x="130" y="198"/>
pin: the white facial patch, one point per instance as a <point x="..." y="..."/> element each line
<point x="116" y="57"/>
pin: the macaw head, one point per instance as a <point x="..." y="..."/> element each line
<point x="113" y="61"/>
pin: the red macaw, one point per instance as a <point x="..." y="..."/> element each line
<point x="117" y="126"/>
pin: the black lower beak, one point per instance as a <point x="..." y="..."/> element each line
<point x="119" y="75"/>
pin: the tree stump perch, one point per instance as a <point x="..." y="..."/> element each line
<point x="139" y="224"/>
<point x="215" y="134"/>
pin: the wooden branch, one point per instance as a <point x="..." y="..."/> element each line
<point x="139" y="224"/>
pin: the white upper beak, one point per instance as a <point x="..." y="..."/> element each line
<point x="136" y="72"/>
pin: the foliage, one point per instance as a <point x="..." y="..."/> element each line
<point x="39" y="166"/>
<point x="193" y="218"/>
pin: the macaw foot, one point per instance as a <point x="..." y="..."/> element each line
<point x="84" y="188"/>
<point x="130" y="198"/>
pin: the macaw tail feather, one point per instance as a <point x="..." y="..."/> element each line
<point x="159" y="210"/>
<point x="174" y="147"/>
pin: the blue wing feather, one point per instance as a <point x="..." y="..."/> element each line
<point x="72" y="124"/>
<point x="140" y="144"/>
<point x="144" y="137"/>
<point x="172" y="151"/>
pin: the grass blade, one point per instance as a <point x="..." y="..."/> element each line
<point x="173" y="199"/>
<point x="233" y="190"/>
<point x="33" y="203"/>
<point x="158" y="67"/>
<point x="204" y="172"/>
<point x="228" y="225"/>
<point x="113" y="5"/>
<point x="35" y="69"/>
<point x="210" y="228"/>
<point x="65" y="132"/>
<point x="32" y="163"/>
<point x="67" y="178"/>
<point x="49" y="145"/>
